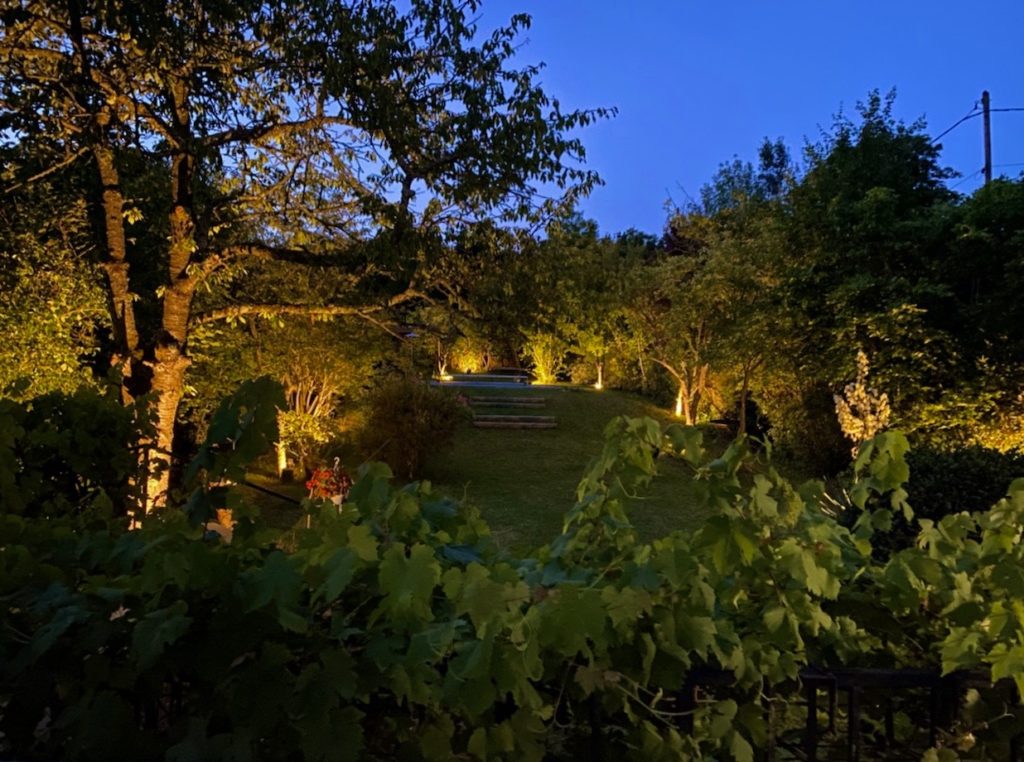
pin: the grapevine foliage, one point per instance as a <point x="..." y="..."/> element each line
<point x="396" y="629"/>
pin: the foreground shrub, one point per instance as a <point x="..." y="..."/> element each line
<point x="409" y="420"/>
<point x="67" y="453"/>
<point x="392" y="630"/>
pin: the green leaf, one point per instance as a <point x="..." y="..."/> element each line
<point x="436" y="739"/>
<point x="590" y="678"/>
<point x="483" y="598"/>
<point x="696" y="633"/>
<point x="339" y="567"/>
<point x="157" y="630"/>
<point x="339" y="669"/>
<point x="746" y="544"/>
<point x="362" y="542"/>
<point x="277" y="581"/>
<point x="573" y="618"/>
<point x="687" y="441"/>
<point x="650" y="651"/>
<point x="1007" y="661"/>
<point x="721" y="720"/>
<point x="774" y="617"/>
<point x="816" y="577"/>
<point x="751" y="717"/>
<point x="477" y="745"/>
<point x="626" y="606"/>
<point x="740" y="748"/>
<point x="408" y="583"/>
<point x="48" y="634"/>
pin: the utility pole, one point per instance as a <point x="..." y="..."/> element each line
<point x="986" y="117"/>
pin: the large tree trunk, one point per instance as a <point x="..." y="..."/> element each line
<point x="170" y="362"/>
<point x="122" y="313"/>
<point x="161" y="370"/>
<point x="126" y="355"/>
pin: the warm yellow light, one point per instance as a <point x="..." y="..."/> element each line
<point x="679" y="407"/>
<point x="599" y="386"/>
<point x="445" y="377"/>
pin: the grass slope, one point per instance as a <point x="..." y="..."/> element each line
<point x="523" y="481"/>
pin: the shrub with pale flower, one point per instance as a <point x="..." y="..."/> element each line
<point x="862" y="411"/>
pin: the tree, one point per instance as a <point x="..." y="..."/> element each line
<point x="52" y="313"/>
<point x="588" y="297"/>
<point x="740" y="270"/>
<point x="347" y="134"/>
<point x="855" y="246"/>
<point x="862" y="229"/>
<point x="669" y="305"/>
<point x="323" y="366"/>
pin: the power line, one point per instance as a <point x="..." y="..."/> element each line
<point x="970" y="115"/>
<point x="975" y="112"/>
<point x="965" y="179"/>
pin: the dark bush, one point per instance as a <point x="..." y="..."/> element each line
<point x="807" y="431"/>
<point x="965" y="479"/>
<point x="757" y="423"/>
<point x="407" y="421"/>
<point x="944" y="482"/>
<point x="63" y="454"/>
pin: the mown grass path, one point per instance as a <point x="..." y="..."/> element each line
<point x="523" y="480"/>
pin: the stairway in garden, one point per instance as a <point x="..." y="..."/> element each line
<point x="510" y="420"/>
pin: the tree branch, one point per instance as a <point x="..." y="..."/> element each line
<point x="264" y="130"/>
<point x="49" y="170"/>
<point x="365" y="312"/>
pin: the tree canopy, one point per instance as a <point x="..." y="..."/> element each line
<point x="353" y="136"/>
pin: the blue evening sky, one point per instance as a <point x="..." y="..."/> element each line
<point x="699" y="81"/>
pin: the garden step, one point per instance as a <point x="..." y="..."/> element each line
<point x="515" y="424"/>
<point x="491" y="378"/>
<point x="514" y="421"/>
<point x="498" y="402"/>
<point x="515" y="418"/>
<point x="482" y="398"/>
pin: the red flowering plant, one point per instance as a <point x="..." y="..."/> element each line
<point x="329" y="484"/>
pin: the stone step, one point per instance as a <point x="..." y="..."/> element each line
<point x="515" y="418"/>
<point x="515" y="424"/>
<point x="531" y="400"/>
<point x="491" y="378"/>
<point x="476" y="403"/>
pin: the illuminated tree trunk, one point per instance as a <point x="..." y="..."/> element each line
<point x="600" y="375"/>
<point x="170" y="363"/>
<point x="122" y="313"/>
<point x="282" y="459"/>
<point x="640" y="362"/>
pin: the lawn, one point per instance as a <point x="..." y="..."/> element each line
<point x="523" y="481"/>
